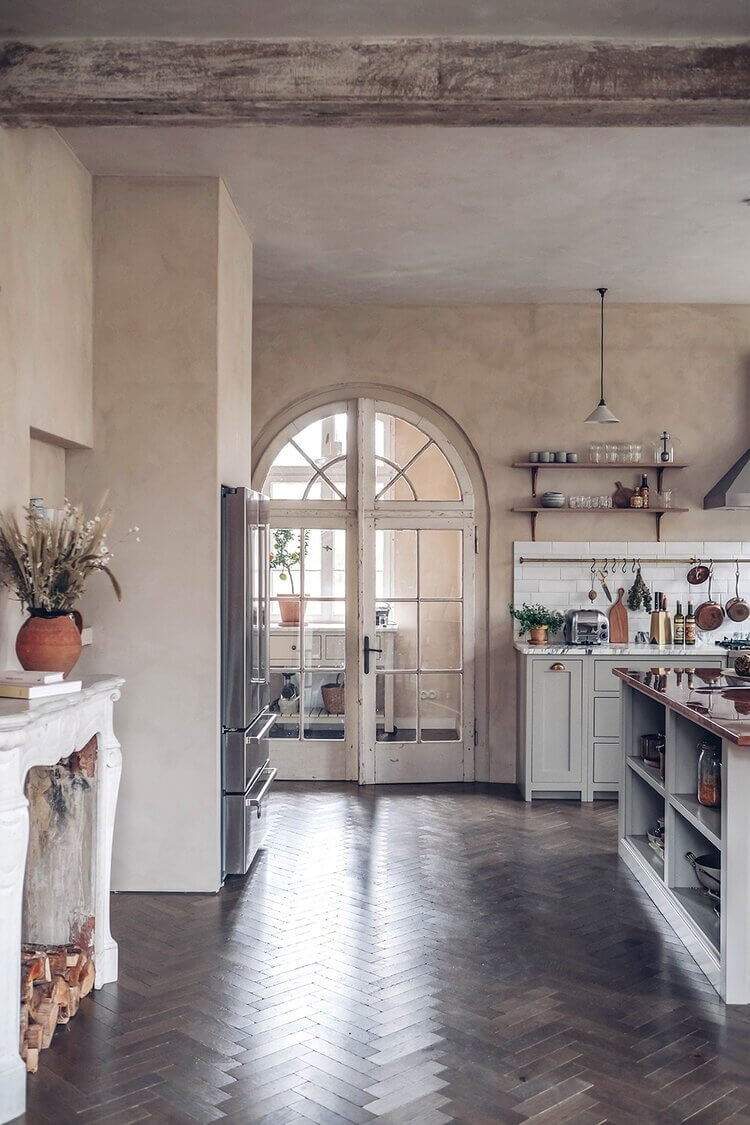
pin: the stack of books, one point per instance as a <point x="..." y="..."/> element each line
<point x="35" y="685"/>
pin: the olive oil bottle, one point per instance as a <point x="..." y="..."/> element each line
<point x="690" y="625"/>
<point x="678" y="630"/>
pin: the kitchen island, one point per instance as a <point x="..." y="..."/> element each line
<point x="688" y="706"/>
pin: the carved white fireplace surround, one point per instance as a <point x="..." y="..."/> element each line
<point x="40" y="733"/>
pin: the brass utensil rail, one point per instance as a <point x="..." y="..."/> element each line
<point x="621" y="561"/>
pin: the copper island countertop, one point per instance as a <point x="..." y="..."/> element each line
<point x="715" y="700"/>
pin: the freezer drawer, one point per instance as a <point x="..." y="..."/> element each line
<point x="246" y="823"/>
<point x="244" y="752"/>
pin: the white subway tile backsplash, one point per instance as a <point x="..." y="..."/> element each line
<point x="562" y="586"/>
<point x="521" y="586"/>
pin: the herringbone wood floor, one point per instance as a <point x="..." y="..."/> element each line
<point x="412" y="955"/>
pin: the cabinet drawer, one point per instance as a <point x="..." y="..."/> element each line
<point x="334" y="647"/>
<point x="605" y="681"/>
<point x="606" y="716"/>
<point x="603" y="678"/>
<point x="606" y="767"/>
<point x="285" y="649"/>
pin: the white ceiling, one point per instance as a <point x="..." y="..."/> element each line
<point x="321" y="18"/>
<point x="428" y="215"/>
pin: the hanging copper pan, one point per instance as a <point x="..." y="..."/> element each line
<point x="709" y="615"/>
<point x="737" y="608"/>
<point x="698" y="574"/>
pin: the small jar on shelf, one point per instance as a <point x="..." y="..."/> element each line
<point x="709" y="773"/>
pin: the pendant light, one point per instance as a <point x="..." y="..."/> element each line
<point x="602" y="413"/>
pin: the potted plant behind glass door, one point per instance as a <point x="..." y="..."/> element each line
<point x="287" y="554"/>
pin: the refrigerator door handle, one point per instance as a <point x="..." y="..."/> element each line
<point x="263" y="732"/>
<point x="255" y="802"/>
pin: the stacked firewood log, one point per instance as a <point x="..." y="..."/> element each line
<point x="54" y="979"/>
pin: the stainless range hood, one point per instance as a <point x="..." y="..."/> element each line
<point x="733" y="490"/>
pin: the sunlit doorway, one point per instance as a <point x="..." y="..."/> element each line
<point x="372" y="586"/>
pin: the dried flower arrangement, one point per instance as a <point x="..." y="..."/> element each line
<point x="47" y="562"/>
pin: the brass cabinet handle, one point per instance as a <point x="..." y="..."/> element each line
<point x="557" y="667"/>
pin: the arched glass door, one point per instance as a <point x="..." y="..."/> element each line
<point x="372" y="598"/>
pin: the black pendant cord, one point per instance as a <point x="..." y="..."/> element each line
<point x="601" y="293"/>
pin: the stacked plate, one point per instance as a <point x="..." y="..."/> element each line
<point x="553" y="500"/>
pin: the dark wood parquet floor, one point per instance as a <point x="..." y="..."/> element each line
<point x="411" y="956"/>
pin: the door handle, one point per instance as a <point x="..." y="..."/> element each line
<point x="264" y="730"/>
<point x="256" y="802"/>
<point x="367" y="650"/>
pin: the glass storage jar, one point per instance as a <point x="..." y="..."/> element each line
<point x="709" y="773"/>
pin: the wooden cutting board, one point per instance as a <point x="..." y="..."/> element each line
<point x="618" y="620"/>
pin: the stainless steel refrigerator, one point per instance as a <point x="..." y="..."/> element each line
<point x="246" y="720"/>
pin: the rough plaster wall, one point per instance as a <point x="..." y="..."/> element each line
<point x="155" y="347"/>
<point x="234" y="344"/>
<point x="47" y="472"/>
<point x="45" y="313"/>
<point x="521" y="377"/>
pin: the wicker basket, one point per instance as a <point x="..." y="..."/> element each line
<point x="333" y="696"/>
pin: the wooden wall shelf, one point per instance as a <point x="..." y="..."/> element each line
<point x="657" y="512"/>
<point x="614" y="466"/>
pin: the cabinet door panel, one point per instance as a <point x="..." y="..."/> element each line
<point x="606" y="769"/>
<point x="606" y="716"/>
<point x="557" y="721"/>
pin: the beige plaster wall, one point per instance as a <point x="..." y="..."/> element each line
<point x="45" y="313"/>
<point x="517" y="378"/>
<point x="172" y="292"/>
<point x="234" y="343"/>
<point x="47" y="472"/>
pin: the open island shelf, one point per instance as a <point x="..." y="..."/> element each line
<point x="712" y="926"/>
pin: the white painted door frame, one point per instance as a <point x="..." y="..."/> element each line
<point x="359" y="756"/>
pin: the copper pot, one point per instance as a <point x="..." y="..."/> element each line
<point x="698" y="574"/>
<point x="737" y="608"/>
<point x="48" y="643"/>
<point x="709" y="615"/>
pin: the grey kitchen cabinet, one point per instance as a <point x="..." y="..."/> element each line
<point x="554" y="724"/>
<point x="569" y="720"/>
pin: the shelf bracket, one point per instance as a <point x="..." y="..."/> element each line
<point x="533" y="527"/>
<point x="534" y="472"/>
<point x="659" y="475"/>
<point x="658" y="526"/>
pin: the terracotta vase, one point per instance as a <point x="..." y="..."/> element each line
<point x="49" y="643"/>
<point x="289" y="609"/>
<point x="539" y="635"/>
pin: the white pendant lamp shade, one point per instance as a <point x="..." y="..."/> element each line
<point x="602" y="413"/>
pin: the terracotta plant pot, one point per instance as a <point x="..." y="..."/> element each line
<point x="289" y="609"/>
<point x="48" y="643"/>
<point x="539" y="635"/>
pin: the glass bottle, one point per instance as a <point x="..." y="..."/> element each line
<point x="709" y="773"/>
<point x="678" y="629"/>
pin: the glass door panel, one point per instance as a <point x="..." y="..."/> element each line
<point x="417" y="718"/>
<point x="308" y="634"/>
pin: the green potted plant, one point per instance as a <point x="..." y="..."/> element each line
<point x="537" y="621"/>
<point x="288" y="551"/>
<point x="46" y="564"/>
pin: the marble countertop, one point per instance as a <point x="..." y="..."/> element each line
<point x="718" y="703"/>
<point x="631" y="649"/>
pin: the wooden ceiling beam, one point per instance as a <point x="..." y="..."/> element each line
<point x="373" y="82"/>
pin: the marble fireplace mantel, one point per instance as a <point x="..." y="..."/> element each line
<point x="40" y="733"/>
